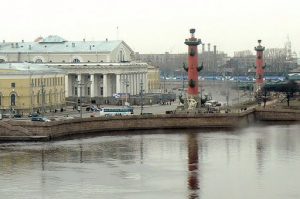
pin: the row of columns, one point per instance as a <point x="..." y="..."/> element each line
<point x="111" y="83"/>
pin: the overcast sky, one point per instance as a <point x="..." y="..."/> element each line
<point x="156" y="26"/>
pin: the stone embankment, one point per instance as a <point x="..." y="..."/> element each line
<point x="27" y="130"/>
<point x="273" y="114"/>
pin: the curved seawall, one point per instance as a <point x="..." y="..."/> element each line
<point x="102" y="124"/>
<point x="27" y="130"/>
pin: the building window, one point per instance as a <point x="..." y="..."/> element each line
<point x="88" y="90"/>
<point x="38" y="61"/>
<point x="101" y="91"/>
<point x="76" y="60"/>
<point x="13" y="85"/>
<point x="75" y="91"/>
<point x="2" y="60"/>
<point x="13" y="100"/>
<point x="0" y="100"/>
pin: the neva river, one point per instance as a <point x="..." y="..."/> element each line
<point x="256" y="162"/>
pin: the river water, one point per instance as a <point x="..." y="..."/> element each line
<point x="255" y="162"/>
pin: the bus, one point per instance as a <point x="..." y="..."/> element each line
<point x="112" y="111"/>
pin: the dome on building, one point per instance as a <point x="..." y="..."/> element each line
<point x="39" y="39"/>
<point x="53" y="39"/>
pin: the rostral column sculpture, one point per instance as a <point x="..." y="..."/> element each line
<point x="193" y="70"/>
<point x="260" y="65"/>
<point x="260" y="71"/>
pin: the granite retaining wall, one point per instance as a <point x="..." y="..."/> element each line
<point x="64" y="128"/>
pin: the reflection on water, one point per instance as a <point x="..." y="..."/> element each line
<point x="257" y="162"/>
<point x="193" y="180"/>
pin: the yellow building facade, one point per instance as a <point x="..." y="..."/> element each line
<point x="153" y="79"/>
<point x="27" y="88"/>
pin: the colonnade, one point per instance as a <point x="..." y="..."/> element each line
<point x="105" y="85"/>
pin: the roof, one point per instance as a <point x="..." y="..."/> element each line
<point x="25" y="68"/>
<point x="53" y="39"/>
<point x="56" y="44"/>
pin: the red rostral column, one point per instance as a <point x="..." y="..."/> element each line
<point x="260" y="65"/>
<point x="193" y="67"/>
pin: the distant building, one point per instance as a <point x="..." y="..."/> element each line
<point x="153" y="79"/>
<point x="278" y="61"/>
<point x="27" y="88"/>
<point x="93" y="68"/>
<point x="213" y="61"/>
<point x="242" y="62"/>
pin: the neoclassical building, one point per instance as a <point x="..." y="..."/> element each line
<point x="93" y="68"/>
<point x="27" y="88"/>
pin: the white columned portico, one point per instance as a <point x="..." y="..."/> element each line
<point x="68" y="86"/>
<point x="118" y="83"/>
<point x="79" y="86"/>
<point x="105" y="88"/>
<point x="92" y="79"/>
<point x="145" y="80"/>
<point x="136" y="83"/>
<point x="131" y="84"/>
<point x="139" y="82"/>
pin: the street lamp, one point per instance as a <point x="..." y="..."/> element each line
<point x="43" y="97"/>
<point x="126" y="83"/>
<point x="141" y="93"/>
<point x="80" y="85"/>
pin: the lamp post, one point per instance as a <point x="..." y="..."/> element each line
<point x="125" y="82"/>
<point x="164" y="82"/>
<point x="31" y="96"/>
<point x="141" y="93"/>
<point x="43" y="98"/>
<point x="10" y="109"/>
<point x="80" y="85"/>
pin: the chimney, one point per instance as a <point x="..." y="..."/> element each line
<point x="22" y="40"/>
<point x="83" y="39"/>
<point x="17" y="45"/>
<point x="106" y="40"/>
<point x="215" y="49"/>
<point x="208" y="47"/>
<point x="203" y="48"/>
<point x="3" y="41"/>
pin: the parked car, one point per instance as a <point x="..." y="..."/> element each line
<point x="34" y="115"/>
<point x="17" y="115"/>
<point x="40" y="119"/>
<point x="92" y="108"/>
<point x="6" y="115"/>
